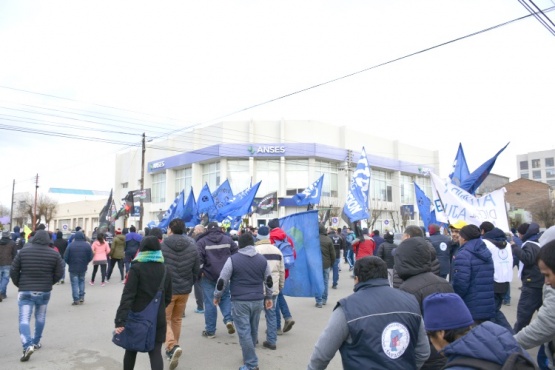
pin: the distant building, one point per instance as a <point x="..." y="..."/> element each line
<point x="526" y="195"/>
<point x="82" y="213"/>
<point x="538" y="166"/>
<point x="491" y="183"/>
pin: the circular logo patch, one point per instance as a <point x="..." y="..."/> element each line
<point x="503" y="253"/>
<point x="395" y="340"/>
<point x="443" y="246"/>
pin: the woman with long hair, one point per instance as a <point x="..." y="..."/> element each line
<point x="101" y="249"/>
<point x="144" y="279"/>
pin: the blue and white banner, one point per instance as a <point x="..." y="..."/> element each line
<point x="424" y="205"/>
<point x="240" y="204"/>
<point x="356" y="205"/>
<point x="190" y="214"/>
<point x="310" y="195"/>
<point x="451" y="204"/>
<point x="475" y="179"/>
<point x="305" y="276"/>
<point x="175" y="211"/>
<point x="205" y="204"/>
<point x="460" y="170"/>
<point x="222" y="195"/>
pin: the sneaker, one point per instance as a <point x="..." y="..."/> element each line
<point x="318" y="305"/>
<point x="288" y="325"/>
<point x="75" y="303"/>
<point x="324" y="302"/>
<point x="91" y="282"/>
<point x="334" y="286"/>
<point x="174" y="356"/>
<point x="37" y="346"/>
<point x="27" y="353"/>
<point x="4" y="296"/>
<point x="269" y="345"/>
<point x="279" y="331"/>
<point x="508" y="303"/>
<point x="230" y="327"/>
<point x="199" y="310"/>
<point x="103" y="284"/>
<point x="208" y="335"/>
<point x="351" y="268"/>
<point x="81" y="301"/>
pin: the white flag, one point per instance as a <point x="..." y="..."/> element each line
<point x="452" y="203"/>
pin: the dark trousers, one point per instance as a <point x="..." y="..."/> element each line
<point x="112" y="263"/>
<point x="156" y="360"/>
<point x="530" y="301"/>
<point x="499" y="317"/>
<point x="199" y="296"/>
<point x="102" y="272"/>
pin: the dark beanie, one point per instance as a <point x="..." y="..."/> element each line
<point x="470" y="232"/>
<point x="150" y="243"/>
<point x="445" y="311"/>
<point x="245" y="240"/>
<point x="523" y="228"/>
<point x="263" y="230"/>
<point x="388" y="237"/>
<point x="486" y="226"/>
<point x="273" y="223"/>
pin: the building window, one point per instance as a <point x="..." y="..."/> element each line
<point x="407" y="190"/>
<point x="381" y="187"/>
<point x="296" y="174"/>
<point x="549" y="162"/>
<point x="183" y="181"/>
<point x="551" y="183"/>
<point x="158" y="191"/>
<point x="537" y="175"/>
<point x="124" y="185"/>
<point x="238" y="175"/>
<point x="329" y="170"/>
<point x="211" y="175"/>
<point x="536" y="163"/>
<point x="550" y="173"/>
<point x="268" y="172"/>
<point x="523" y="165"/>
<point x="524" y="175"/>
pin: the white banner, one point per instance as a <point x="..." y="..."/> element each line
<point x="452" y="203"/>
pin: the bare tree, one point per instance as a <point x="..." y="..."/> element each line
<point x="4" y="211"/>
<point x="46" y="208"/>
<point x="395" y="220"/>
<point x="544" y="212"/>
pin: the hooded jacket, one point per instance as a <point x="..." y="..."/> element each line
<point x="118" y="247"/>
<point x="385" y="252"/>
<point x="528" y="254"/>
<point x="441" y="244"/>
<point x="326" y="247"/>
<point x="8" y="250"/>
<point x="473" y="278"/>
<point x="275" y="261"/>
<point x="60" y="243"/>
<point x="496" y="241"/>
<point x="277" y="234"/>
<point x="132" y="245"/>
<point x="182" y="260"/>
<point x="488" y="341"/>
<point x="434" y="265"/>
<point x="78" y="254"/>
<point x="214" y="248"/>
<point x="37" y="266"/>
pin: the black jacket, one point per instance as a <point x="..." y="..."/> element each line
<point x="528" y="255"/>
<point x="385" y="251"/>
<point x="37" y="266"/>
<point x="8" y="250"/>
<point x="61" y="244"/>
<point x="142" y="285"/>
<point x="182" y="260"/>
<point x="397" y="280"/>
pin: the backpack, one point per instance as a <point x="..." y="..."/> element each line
<point x="515" y="361"/>
<point x="287" y="251"/>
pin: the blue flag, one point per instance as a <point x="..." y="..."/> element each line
<point x="189" y="215"/>
<point x="175" y="211"/>
<point x="305" y="276"/>
<point x="222" y="195"/>
<point x="206" y="204"/>
<point x="424" y="204"/>
<point x="310" y="195"/>
<point x="356" y="205"/>
<point x="475" y="179"/>
<point x="240" y="204"/>
<point x="460" y="169"/>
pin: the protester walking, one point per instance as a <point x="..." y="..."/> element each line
<point x="8" y="251"/>
<point x="328" y="257"/>
<point x="101" y="250"/>
<point x="117" y="253"/>
<point x="61" y="244"/>
<point x="132" y="244"/>
<point x="144" y="279"/>
<point x="78" y="256"/>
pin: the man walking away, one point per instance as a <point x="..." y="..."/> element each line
<point x="132" y="244"/>
<point x="117" y="253"/>
<point x="338" y="245"/>
<point x="328" y="256"/>
<point x="441" y="244"/>
<point x="8" y="251"/>
<point x="385" y="252"/>
<point x="182" y="260"/>
<point x="61" y="244"/>
<point x="251" y="291"/>
<point x="78" y="256"/>
<point x="34" y="270"/>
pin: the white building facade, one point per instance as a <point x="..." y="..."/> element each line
<point x="538" y="166"/>
<point x="287" y="156"/>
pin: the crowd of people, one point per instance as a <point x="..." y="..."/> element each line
<point x="432" y="301"/>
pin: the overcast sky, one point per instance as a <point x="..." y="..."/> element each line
<point x="111" y="70"/>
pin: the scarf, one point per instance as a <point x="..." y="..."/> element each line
<point x="149" y="256"/>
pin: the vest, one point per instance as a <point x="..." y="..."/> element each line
<point x="383" y="327"/>
<point x="247" y="278"/>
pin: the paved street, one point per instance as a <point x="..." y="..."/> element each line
<point x="79" y="337"/>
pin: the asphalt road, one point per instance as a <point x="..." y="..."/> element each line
<point x="79" y="337"/>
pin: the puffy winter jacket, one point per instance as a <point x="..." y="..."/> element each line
<point x="182" y="260"/>
<point x="326" y="247"/>
<point x="78" y="254"/>
<point x="528" y="255"/>
<point x="214" y="247"/>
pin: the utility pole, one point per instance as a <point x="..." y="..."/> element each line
<point x="35" y="210"/>
<point x="11" y="209"/>
<point x="141" y="211"/>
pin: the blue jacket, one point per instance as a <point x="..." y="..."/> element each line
<point x="78" y="254"/>
<point x="473" y="278"/>
<point x="487" y="341"/>
<point x="214" y="247"/>
<point x="528" y="254"/>
<point x="442" y="245"/>
<point x="132" y="245"/>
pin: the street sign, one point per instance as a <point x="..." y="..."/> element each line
<point x="386" y="222"/>
<point x="335" y="221"/>
<point x="64" y="227"/>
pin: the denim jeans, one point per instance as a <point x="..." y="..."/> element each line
<point x="4" y="278"/>
<point x="27" y="301"/>
<point x="349" y="257"/>
<point x="77" y="285"/>
<point x="335" y="268"/>
<point x="246" y="316"/>
<point x="271" y="323"/>
<point x="281" y="306"/>
<point x="324" y="296"/>
<point x="210" y="310"/>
